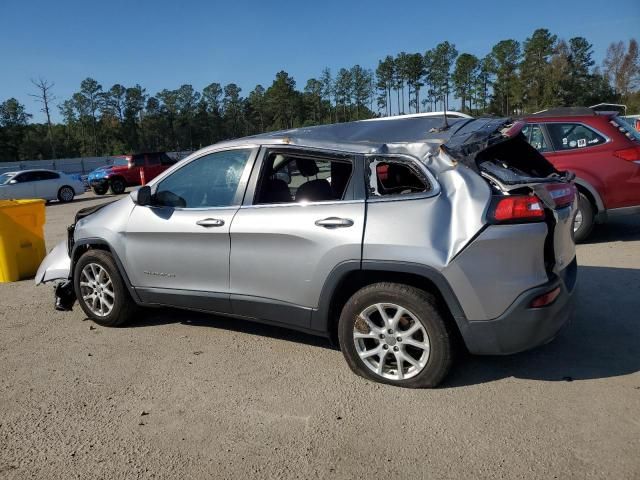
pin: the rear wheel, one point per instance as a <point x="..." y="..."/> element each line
<point x="66" y="194"/>
<point x="584" y="219"/>
<point x="394" y="333"/>
<point x="100" y="290"/>
<point x="118" y="186"/>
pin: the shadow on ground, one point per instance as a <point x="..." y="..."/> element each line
<point x="602" y="340"/>
<point x="620" y="229"/>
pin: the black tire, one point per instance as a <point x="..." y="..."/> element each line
<point x="123" y="305"/>
<point x="100" y="190"/>
<point x="66" y="194"/>
<point x="585" y="208"/>
<point x="424" y="307"/>
<point x="118" y="186"/>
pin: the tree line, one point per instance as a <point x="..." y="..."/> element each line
<point x="512" y="79"/>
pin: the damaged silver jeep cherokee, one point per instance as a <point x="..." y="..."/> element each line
<point x="397" y="237"/>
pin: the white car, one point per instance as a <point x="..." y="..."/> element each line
<point x="45" y="184"/>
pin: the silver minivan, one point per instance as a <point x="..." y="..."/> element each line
<point x="400" y="239"/>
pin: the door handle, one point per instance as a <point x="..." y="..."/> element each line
<point x="334" y="222"/>
<point x="210" y="222"/>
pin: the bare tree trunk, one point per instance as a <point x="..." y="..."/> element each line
<point x="45" y="98"/>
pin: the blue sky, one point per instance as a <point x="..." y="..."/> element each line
<point x="164" y="44"/>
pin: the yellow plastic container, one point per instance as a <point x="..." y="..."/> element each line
<point x="21" y="238"/>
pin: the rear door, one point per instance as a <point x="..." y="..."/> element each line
<point x="303" y="215"/>
<point x="589" y="152"/>
<point x="47" y="185"/>
<point x="177" y="249"/>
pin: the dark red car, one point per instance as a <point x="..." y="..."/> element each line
<point x="125" y="171"/>
<point x="603" y="149"/>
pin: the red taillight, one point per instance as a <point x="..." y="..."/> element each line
<point x="517" y="208"/>
<point x="563" y="194"/>
<point x="629" y="154"/>
<point x="546" y="299"/>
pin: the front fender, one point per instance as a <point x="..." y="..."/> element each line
<point x="55" y="266"/>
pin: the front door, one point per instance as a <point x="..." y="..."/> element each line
<point x="304" y="218"/>
<point x="177" y="249"/>
<point x="24" y="186"/>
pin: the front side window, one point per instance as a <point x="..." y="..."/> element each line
<point x="289" y="178"/>
<point x="571" y="136"/>
<point x="397" y="177"/>
<point x="209" y="181"/>
<point x="26" y="177"/>
<point x="535" y="136"/>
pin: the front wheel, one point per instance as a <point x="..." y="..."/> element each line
<point x="394" y="333"/>
<point x="100" y="190"/>
<point x="584" y="220"/>
<point x="100" y="290"/>
<point x="66" y="194"/>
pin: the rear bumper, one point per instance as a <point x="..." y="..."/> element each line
<point x="521" y="327"/>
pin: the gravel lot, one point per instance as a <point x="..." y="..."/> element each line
<point x="185" y="395"/>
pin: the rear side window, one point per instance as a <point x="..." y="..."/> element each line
<point x="153" y="159"/>
<point x="166" y="159"/>
<point x="48" y="176"/>
<point x="395" y="177"/>
<point x="289" y="178"/>
<point x="138" y="160"/>
<point x="571" y="136"/>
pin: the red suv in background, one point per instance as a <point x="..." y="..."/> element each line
<point x="126" y="169"/>
<point x="603" y="149"/>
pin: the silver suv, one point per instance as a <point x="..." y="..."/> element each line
<point x="399" y="238"/>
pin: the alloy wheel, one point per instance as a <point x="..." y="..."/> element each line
<point x="391" y="341"/>
<point x="96" y="289"/>
<point x="577" y="221"/>
<point x="66" y="194"/>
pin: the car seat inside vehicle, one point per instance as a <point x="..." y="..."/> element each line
<point x="298" y="179"/>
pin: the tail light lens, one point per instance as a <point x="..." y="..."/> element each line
<point x="516" y="209"/>
<point x="629" y="154"/>
<point x="563" y="194"/>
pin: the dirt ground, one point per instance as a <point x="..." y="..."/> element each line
<point x="185" y="395"/>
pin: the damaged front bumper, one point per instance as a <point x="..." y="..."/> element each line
<point x="56" y="267"/>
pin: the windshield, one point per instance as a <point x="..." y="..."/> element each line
<point x="626" y="127"/>
<point x="5" y="177"/>
<point x="121" y="162"/>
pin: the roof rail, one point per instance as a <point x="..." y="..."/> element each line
<point x="564" y="112"/>
<point x="616" y="107"/>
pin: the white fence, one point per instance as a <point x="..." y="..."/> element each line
<point x="80" y="166"/>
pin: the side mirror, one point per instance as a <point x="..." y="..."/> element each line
<point x="142" y="196"/>
<point x="12" y="182"/>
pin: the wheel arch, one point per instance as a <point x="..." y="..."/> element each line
<point x="82" y="246"/>
<point x="349" y="277"/>
<point x="591" y="193"/>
